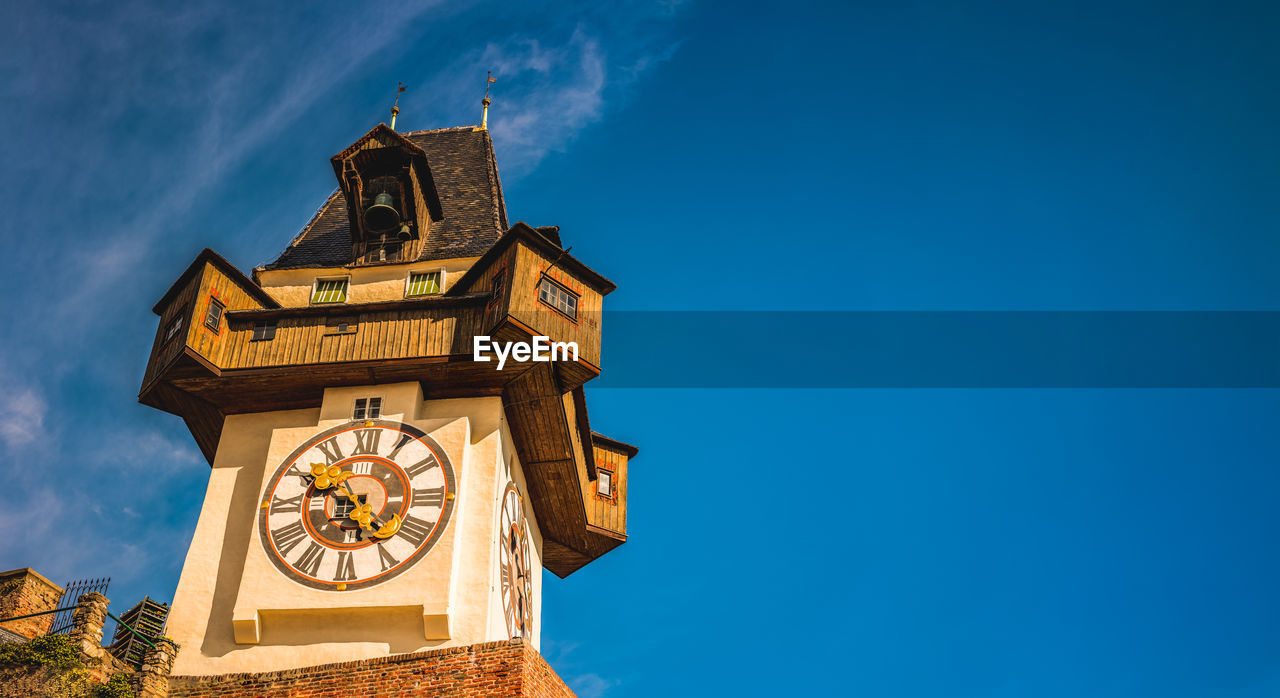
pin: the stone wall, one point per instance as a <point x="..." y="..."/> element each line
<point x="24" y="591"/>
<point x="93" y="664"/>
<point x="511" y="668"/>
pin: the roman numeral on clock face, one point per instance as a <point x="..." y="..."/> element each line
<point x="289" y="505"/>
<point x="330" y="450"/>
<point x="414" y="530"/>
<point x="286" y="538"/>
<point x="309" y="562"/>
<point x="404" y="439"/>
<point x="432" y="497"/>
<point x="422" y="466"/>
<point x="385" y="558"/>
<point x="366" y="441"/>
<point x="346" y="567"/>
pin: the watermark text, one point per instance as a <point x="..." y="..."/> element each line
<point x="483" y="348"/>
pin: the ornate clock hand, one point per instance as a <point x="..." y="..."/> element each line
<point x="363" y="515"/>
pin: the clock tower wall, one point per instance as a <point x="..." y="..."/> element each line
<point x="237" y="612"/>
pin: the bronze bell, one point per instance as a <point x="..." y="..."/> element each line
<point x="404" y="233"/>
<point x="381" y="216"/>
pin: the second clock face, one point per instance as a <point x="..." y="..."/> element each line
<point x="356" y="505"/>
<point x="514" y="565"/>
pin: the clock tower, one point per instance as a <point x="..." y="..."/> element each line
<point x="394" y="416"/>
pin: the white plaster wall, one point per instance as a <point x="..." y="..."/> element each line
<point x="292" y="287"/>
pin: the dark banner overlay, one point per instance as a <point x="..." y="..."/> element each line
<point x="836" y="349"/>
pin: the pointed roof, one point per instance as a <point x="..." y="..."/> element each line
<point x="466" y="178"/>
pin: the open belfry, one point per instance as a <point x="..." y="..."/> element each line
<point x="379" y="499"/>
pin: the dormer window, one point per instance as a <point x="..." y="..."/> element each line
<point x="604" y="483"/>
<point x="422" y="283"/>
<point x="330" y="290"/>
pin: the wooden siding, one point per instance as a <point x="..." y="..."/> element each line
<point x="379" y="335"/>
<point x="496" y="308"/>
<point x="604" y="512"/>
<point x="215" y="285"/>
<point x="164" y="353"/>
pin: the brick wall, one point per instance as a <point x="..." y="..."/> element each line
<point x="24" y="591"/>
<point x="511" y="668"/>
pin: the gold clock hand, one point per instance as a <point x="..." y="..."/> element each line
<point x="360" y="513"/>
<point x="363" y="515"/>
<point x="333" y="476"/>
<point x="390" y="528"/>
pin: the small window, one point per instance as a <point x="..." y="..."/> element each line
<point x="367" y="408"/>
<point x="340" y="325"/>
<point x="604" y="483"/>
<point x="343" y="505"/>
<point x="422" y="283"/>
<point x="559" y="297"/>
<point x="330" y="291"/>
<point x="213" y="318"/>
<point x="175" y="326"/>
<point x="264" y="330"/>
<point x="497" y="286"/>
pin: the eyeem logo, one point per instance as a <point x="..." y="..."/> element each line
<point x="542" y="349"/>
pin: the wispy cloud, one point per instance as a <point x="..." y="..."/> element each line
<point x="235" y="110"/>
<point x="22" y="413"/>
<point x="591" y="685"/>
<point x="549" y="91"/>
<point x="119" y="450"/>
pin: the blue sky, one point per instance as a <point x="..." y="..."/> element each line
<point x="714" y="156"/>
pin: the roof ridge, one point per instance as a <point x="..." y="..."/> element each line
<point x="495" y="186"/>
<point x="439" y="130"/>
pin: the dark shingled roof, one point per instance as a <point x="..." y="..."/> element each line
<point x="466" y="177"/>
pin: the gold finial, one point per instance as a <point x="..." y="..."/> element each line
<point x="395" y="108"/>
<point x="484" y="116"/>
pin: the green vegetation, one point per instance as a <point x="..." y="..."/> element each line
<point x="56" y="652"/>
<point x="50" y="666"/>
<point x="117" y="687"/>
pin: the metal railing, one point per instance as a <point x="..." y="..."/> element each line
<point x="73" y="592"/>
<point x="72" y="609"/>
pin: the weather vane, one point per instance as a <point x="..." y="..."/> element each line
<point x="395" y="108"/>
<point x="484" y="117"/>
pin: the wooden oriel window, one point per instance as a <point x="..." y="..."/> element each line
<point x="213" y="317"/>
<point x="367" y="408"/>
<point x="562" y="299"/>
<point x="330" y="291"/>
<point x="422" y="283"/>
<point x="604" y="483"/>
<point x="264" y="330"/>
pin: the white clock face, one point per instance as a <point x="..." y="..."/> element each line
<point x="514" y="559"/>
<point x="356" y="505"/>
